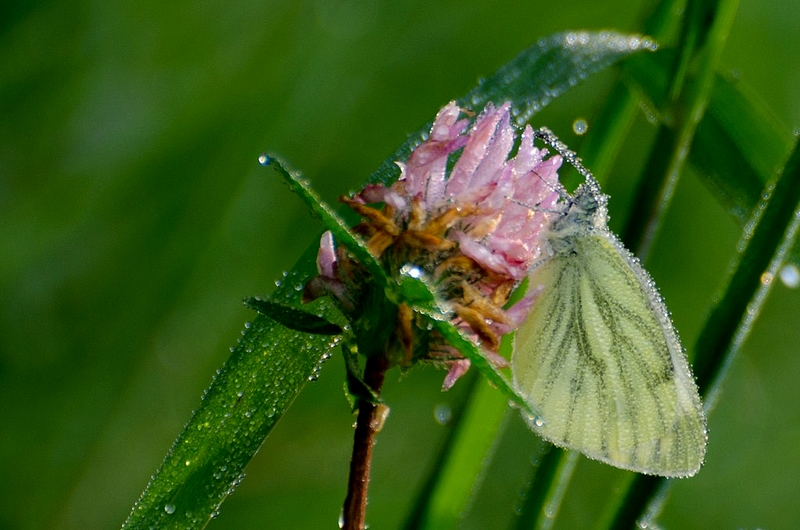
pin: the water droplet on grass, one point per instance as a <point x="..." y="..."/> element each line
<point x="790" y="275"/>
<point x="580" y="126"/>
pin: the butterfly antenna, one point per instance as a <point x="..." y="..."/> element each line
<point x="557" y="188"/>
<point x="550" y="139"/>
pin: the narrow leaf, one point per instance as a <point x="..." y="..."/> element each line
<point x="293" y="318"/>
<point x="443" y="502"/>
<point x="687" y="109"/>
<point x="330" y="219"/>
<point x="739" y="143"/>
<point x="243" y="403"/>
<point x="555" y="64"/>
<point x="536" y="77"/>
<point x="440" y="321"/>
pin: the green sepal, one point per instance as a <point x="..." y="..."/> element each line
<point x="356" y="388"/>
<point x="293" y="318"/>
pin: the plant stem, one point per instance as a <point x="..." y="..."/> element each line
<point x="368" y="424"/>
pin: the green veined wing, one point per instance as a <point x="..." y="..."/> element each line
<point x="599" y="357"/>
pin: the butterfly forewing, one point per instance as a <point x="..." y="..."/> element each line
<point x="598" y="356"/>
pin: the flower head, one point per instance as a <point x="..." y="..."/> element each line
<point x="474" y="231"/>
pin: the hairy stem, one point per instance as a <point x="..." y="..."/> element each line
<point x="368" y="424"/>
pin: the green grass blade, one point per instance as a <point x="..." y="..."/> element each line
<point x="738" y="144"/>
<point x="453" y="482"/>
<point x="535" y="77"/>
<point x="549" y="486"/>
<point x="330" y="219"/>
<point x="247" y="397"/>
<point x="548" y="69"/>
<point x="687" y="109"/>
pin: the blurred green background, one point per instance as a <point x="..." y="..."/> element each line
<point x="134" y="218"/>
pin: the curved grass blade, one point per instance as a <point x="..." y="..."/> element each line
<point x="550" y="485"/>
<point x="554" y="65"/>
<point x="330" y="219"/>
<point x="247" y="397"/>
<point x="738" y="144"/>
<point x="475" y="356"/>
<point x="536" y="77"/>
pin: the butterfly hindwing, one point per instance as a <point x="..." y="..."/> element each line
<point x="598" y="356"/>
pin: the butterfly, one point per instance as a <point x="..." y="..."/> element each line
<point x="598" y="356"/>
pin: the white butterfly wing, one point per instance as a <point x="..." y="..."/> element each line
<point x="599" y="358"/>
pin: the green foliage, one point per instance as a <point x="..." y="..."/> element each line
<point x="228" y="440"/>
<point x="134" y="218"/>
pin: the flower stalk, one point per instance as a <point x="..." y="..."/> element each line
<point x="368" y="425"/>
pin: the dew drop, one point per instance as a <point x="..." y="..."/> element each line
<point x="264" y="159"/>
<point x="442" y="413"/>
<point x="169" y="508"/>
<point x="580" y="126"/>
<point x="790" y="275"/>
<point x="411" y="270"/>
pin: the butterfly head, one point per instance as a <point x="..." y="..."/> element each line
<point x="585" y="210"/>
